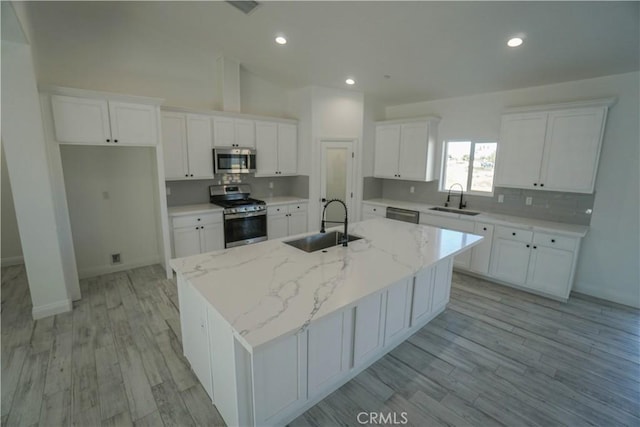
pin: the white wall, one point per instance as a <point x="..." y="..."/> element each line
<point x="259" y="96"/>
<point x="24" y="146"/>
<point x="111" y="198"/>
<point x="610" y="256"/>
<point x="11" y="248"/>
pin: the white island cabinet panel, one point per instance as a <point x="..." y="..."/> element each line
<point x="328" y="357"/>
<point x="276" y="378"/>
<point x="441" y="285"/>
<point x="422" y="295"/>
<point x="397" y="310"/>
<point x="368" y="331"/>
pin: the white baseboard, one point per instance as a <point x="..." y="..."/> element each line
<point x="11" y="260"/>
<point x="108" y="268"/>
<point x="614" y="295"/>
<point x="51" y="309"/>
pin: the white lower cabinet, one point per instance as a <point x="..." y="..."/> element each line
<point x="422" y="295"/>
<point x="373" y="211"/>
<point x="541" y="262"/>
<point x="195" y="234"/>
<point x="481" y="253"/>
<point x="286" y="220"/>
<point x="195" y="333"/>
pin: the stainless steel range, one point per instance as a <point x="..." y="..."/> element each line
<point x="245" y="219"/>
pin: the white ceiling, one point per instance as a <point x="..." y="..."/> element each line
<point x="431" y="50"/>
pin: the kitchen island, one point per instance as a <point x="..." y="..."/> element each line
<point x="270" y="330"/>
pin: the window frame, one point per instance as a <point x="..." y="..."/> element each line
<point x="443" y="166"/>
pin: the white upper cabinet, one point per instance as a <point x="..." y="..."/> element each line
<point x="573" y="149"/>
<point x="186" y="139"/>
<point x="91" y="121"/>
<point x="520" y="150"/>
<point x="224" y="132"/>
<point x="555" y="149"/>
<point x="232" y="132"/>
<point x="81" y="120"/>
<point x="245" y="133"/>
<point x="387" y="151"/>
<point x="405" y="150"/>
<point x="276" y="149"/>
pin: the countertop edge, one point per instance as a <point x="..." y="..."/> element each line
<point x="554" y="227"/>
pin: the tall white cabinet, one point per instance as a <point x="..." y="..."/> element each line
<point x="553" y="148"/>
<point x="406" y="149"/>
<point x="187" y="143"/>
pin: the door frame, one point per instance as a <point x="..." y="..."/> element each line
<point x="351" y="201"/>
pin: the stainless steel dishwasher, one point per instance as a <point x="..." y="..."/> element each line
<point x="403" y="215"/>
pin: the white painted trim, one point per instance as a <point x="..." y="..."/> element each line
<point x="12" y="260"/>
<point x="83" y="93"/>
<point x="608" y="294"/>
<point x="603" y="102"/>
<point x="217" y="113"/>
<point x="432" y="119"/>
<point x="106" y="269"/>
<point x="51" y="309"/>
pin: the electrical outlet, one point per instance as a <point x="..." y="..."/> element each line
<point x="500" y="198"/>
<point x="115" y="259"/>
<point x="271" y="185"/>
<point x="528" y="201"/>
<point x="412" y="189"/>
<point x="168" y="191"/>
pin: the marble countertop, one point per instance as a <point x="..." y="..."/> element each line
<point x="572" y="230"/>
<point x="202" y="208"/>
<point x="270" y="289"/>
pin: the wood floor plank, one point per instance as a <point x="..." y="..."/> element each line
<point x="122" y="419"/>
<point x="200" y="407"/>
<point x="27" y="401"/>
<point x="436" y="410"/>
<point x="172" y="409"/>
<point x="171" y="349"/>
<point x="56" y="409"/>
<point x="111" y="392"/>
<point x="59" y="367"/>
<point x="11" y="370"/>
<point x="151" y="420"/>
<point x="468" y="412"/>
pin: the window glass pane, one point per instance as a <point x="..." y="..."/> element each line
<point x="457" y="164"/>
<point x="484" y="163"/>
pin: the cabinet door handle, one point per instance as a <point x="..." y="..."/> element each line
<point x="553" y="240"/>
<point x="108" y="140"/>
<point x="191" y="174"/>
<point x="186" y="174"/>
<point x="513" y="234"/>
<point x="535" y="247"/>
<point x="535" y="184"/>
<point x="541" y="185"/>
<point x="115" y="140"/>
<point x="198" y="219"/>
<point x="528" y="245"/>
<point x="484" y="228"/>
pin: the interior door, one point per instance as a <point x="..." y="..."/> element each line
<point x="336" y="178"/>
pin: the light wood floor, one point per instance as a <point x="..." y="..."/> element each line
<point x="496" y="356"/>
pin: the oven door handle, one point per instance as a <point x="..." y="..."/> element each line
<point x="244" y="215"/>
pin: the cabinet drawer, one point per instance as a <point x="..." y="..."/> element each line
<point x="511" y="233"/>
<point x="297" y="207"/>
<point x="374" y="210"/>
<point x="189" y="220"/>
<point x="277" y="210"/>
<point x="554" y="241"/>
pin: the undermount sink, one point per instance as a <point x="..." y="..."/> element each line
<point x="320" y="241"/>
<point x="456" y="211"/>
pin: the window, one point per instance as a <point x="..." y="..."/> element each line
<point x="470" y="164"/>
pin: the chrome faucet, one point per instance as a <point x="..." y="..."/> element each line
<point x="345" y="236"/>
<point x="462" y="204"/>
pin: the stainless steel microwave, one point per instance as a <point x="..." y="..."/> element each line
<point x="234" y="160"/>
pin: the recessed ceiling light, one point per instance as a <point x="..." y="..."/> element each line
<point x="281" y="40"/>
<point x="514" y="42"/>
<point x="350" y="81"/>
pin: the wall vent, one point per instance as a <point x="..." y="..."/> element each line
<point x="245" y="7"/>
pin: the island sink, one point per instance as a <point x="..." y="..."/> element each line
<point x="320" y="241"/>
<point x="456" y="211"/>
